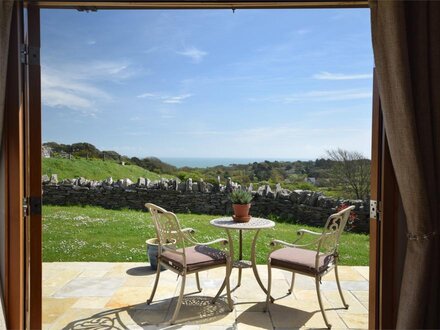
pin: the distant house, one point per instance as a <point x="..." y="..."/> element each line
<point x="311" y="180"/>
<point x="46" y="152"/>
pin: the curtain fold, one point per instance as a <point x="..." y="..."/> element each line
<point x="406" y="44"/>
<point x="5" y="24"/>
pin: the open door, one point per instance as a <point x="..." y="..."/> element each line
<point x="13" y="155"/>
<point x="33" y="188"/>
<point x="376" y="160"/>
<point x="386" y="227"/>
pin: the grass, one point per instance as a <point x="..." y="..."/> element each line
<point x="74" y="233"/>
<point x="95" y="169"/>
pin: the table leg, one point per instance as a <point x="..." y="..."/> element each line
<point x="231" y="251"/>
<point x="254" y="263"/>
<point x="240" y="255"/>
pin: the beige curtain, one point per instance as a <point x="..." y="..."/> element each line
<point x="5" y="24"/>
<point x="406" y="43"/>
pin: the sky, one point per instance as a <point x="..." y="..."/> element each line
<point x="209" y="83"/>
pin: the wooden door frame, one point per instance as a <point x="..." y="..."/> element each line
<point x="33" y="143"/>
<point x="383" y="289"/>
<point x="375" y="188"/>
<point x="14" y="150"/>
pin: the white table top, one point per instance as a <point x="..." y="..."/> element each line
<point x="254" y="223"/>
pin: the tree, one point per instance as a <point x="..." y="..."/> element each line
<point x="351" y="169"/>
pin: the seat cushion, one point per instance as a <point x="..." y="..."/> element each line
<point x="301" y="260"/>
<point x="197" y="257"/>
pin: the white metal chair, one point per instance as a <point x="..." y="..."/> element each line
<point x="322" y="259"/>
<point x="185" y="260"/>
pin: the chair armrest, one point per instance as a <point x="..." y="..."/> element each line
<point x="189" y="230"/>
<point x="279" y="242"/>
<point x="220" y="240"/>
<point x="306" y="231"/>
<point x="301" y="233"/>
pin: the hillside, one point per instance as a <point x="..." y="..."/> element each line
<point x="95" y="169"/>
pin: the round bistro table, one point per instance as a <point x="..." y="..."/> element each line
<point x="254" y="224"/>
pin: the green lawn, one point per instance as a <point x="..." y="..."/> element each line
<point x="72" y="233"/>
<point x="95" y="169"/>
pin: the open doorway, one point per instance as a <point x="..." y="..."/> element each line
<point x="271" y="86"/>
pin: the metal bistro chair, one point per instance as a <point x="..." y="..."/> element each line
<point x="316" y="263"/>
<point x="185" y="260"/>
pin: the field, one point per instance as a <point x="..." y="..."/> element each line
<point x="95" y="169"/>
<point x="72" y="233"/>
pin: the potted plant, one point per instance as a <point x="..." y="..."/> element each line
<point x="241" y="203"/>
<point x="152" y="251"/>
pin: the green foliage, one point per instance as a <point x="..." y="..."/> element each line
<point x="94" y="234"/>
<point x="240" y="197"/>
<point x="351" y="170"/>
<point x="95" y="169"/>
<point x="153" y="164"/>
<point x="336" y="176"/>
<point x="194" y="175"/>
<point x="89" y="151"/>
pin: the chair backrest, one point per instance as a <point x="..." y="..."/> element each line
<point x="333" y="229"/>
<point x="167" y="227"/>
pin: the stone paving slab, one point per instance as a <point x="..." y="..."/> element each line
<point x="95" y="295"/>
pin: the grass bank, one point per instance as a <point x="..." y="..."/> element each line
<point x="95" y="169"/>
<point x="72" y="233"/>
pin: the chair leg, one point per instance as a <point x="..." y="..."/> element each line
<point x="291" y="284"/>
<point x="318" y="291"/>
<point x="179" y="301"/>
<point x="269" y="285"/>
<point x="339" y="287"/>
<point x="156" y="282"/>
<point x="198" y="282"/>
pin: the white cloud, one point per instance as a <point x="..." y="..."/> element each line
<point x="147" y="95"/>
<point x="57" y="98"/>
<point x="74" y="86"/>
<point x="167" y="99"/>
<point x="196" y="55"/>
<point x="100" y="70"/>
<point x="341" y="76"/>
<point x="175" y="99"/>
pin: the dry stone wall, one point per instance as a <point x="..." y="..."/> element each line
<point x="302" y="206"/>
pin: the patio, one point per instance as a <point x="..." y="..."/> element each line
<point x="101" y="295"/>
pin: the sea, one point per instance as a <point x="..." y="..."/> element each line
<point x="210" y="162"/>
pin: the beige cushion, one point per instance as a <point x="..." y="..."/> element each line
<point x="197" y="257"/>
<point x="300" y="260"/>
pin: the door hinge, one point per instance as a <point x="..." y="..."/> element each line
<point x="31" y="206"/>
<point x="24" y="54"/>
<point x="29" y="55"/>
<point x="373" y="209"/>
<point x="25" y="206"/>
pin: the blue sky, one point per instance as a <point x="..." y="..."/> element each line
<point x="205" y="83"/>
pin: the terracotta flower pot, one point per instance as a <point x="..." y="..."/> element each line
<point x="241" y="212"/>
